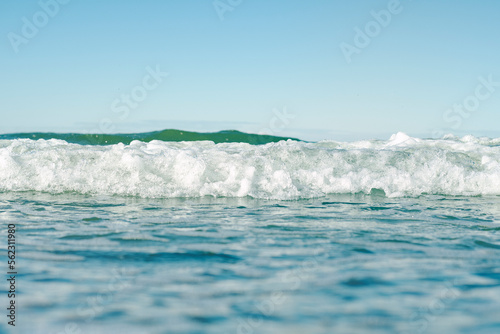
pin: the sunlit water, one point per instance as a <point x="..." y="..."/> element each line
<point x="334" y="264"/>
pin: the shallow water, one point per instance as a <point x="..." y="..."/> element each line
<point x="334" y="264"/>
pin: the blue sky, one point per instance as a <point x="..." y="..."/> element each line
<point x="269" y="66"/>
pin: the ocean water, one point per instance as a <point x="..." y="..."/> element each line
<point x="240" y="233"/>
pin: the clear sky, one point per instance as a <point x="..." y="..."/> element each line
<point x="315" y="69"/>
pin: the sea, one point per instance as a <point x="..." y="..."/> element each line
<point x="229" y="232"/>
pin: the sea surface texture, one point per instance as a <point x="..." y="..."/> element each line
<point x="179" y="232"/>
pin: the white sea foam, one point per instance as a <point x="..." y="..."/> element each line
<point x="401" y="166"/>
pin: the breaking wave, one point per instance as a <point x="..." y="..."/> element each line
<point x="400" y="166"/>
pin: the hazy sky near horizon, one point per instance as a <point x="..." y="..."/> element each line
<point x="316" y="69"/>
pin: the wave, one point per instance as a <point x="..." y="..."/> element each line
<point x="400" y="166"/>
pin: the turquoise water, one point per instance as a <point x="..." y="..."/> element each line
<point x="340" y="264"/>
<point x="397" y="236"/>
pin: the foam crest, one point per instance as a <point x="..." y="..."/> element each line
<point x="401" y="166"/>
